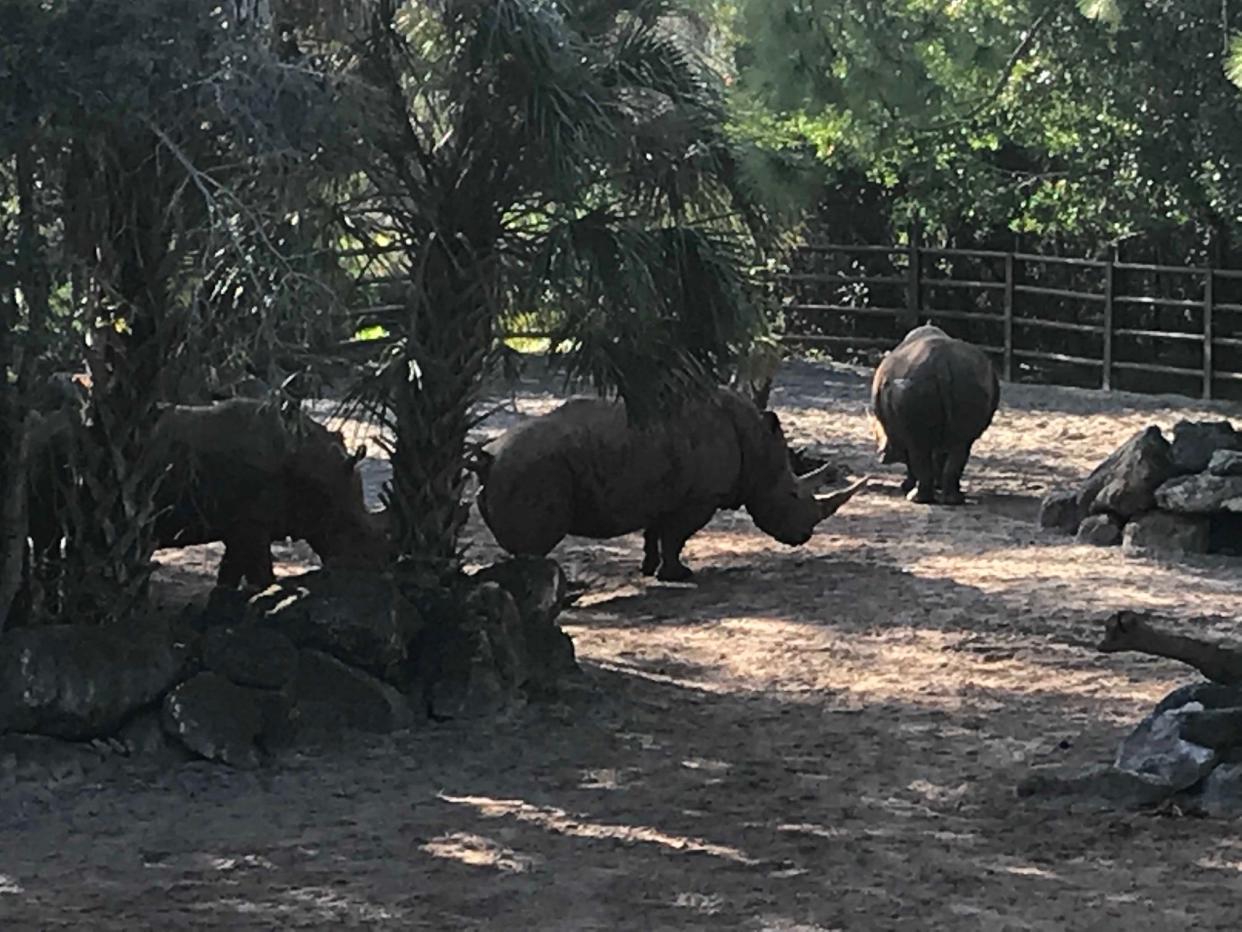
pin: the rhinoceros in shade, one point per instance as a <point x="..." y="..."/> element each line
<point x="586" y="470"/>
<point x="932" y="397"/>
<point x="244" y="472"/>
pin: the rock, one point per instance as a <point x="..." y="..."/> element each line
<point x="47" y="761"/>
<point x="144" y="736"/>
<point x="1104" y="785"/>
<point x="1226" y="463"/>
<point x="1125" y="483"/>
<point x="221" y="607"/>
<point x="539" y="588"/>
<point x="216" y="719"/>
<point x="330" y="696"/>
<point x="537" y="584"/>
<point x="494" y="613"/>
<point x="1059" y="511"/>
<point x="481" y="668"/>
<point x="1201" y="494"/>
<point x="251" y="656"/>
<point x="1221" y="792"/>
<point x="1194" y="443"/>
<point x="1164" y="532"/>
<point x="1099" y="531"/>
<point x="82" y="681"/>
<point x="1155" y="752"/>
<point x="360" y="618"/>
<point x="1206" y="694"/>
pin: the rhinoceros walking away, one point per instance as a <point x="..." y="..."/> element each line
<point x="585" y="470"/>
<point x="243" y="472"/>
<point x="932" y="397"/>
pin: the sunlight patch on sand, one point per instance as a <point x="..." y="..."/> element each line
<point x="9" y="886"/>
<point x="562" y="823"/>
<point x="478" y="851"/>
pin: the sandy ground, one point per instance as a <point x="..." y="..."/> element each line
<point x="802" y="739"/>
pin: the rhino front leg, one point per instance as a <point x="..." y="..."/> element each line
<point x="651" y="551"/>
<point x="674" y="531"/>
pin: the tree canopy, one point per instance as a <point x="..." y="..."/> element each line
<point x="1085" y="122"/>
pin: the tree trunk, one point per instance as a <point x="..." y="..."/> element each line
<point x="20" y="356"/>
<point x="449" y="340"/>
<point x="1144" y="633"/>
<point x="14" y="518"/>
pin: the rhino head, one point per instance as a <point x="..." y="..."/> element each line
<point x="785" y="506"/>
<point x="342" y="530"/>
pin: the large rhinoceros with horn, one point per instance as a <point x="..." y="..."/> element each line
<point x="586" y="470"/>
<point x="243" y="471"/>
<point x="932" y="397"/>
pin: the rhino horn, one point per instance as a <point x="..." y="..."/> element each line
<point x="358" y="455"/>
<point x="809" y="482"/>
<point x="828" y="504"/>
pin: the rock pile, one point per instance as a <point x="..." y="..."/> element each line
<point x="1188" y="751"/>
<point x="236" y="678"/>
<point x="1156" y="496"/>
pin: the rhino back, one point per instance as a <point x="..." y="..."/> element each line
<point x="935" y="390"/>
<point x="585" y="470"/>
<point x="242" y="462"/>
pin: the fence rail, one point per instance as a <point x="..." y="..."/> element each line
<point x="1094" y="322"/>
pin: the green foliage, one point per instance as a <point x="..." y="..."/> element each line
<point x="573" y="161"/>
<point x="1090" y="122"/>
<point x="154" y="194"/>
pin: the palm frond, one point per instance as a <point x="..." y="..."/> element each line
<point x="651" y="314"/>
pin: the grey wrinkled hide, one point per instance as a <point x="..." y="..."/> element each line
<point x="239" y="471"/>
<point x="932" y="397"/>
<point x="585" y="470"/>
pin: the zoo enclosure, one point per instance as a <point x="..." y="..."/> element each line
<point x="1098" y="323"/>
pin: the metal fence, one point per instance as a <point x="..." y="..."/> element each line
<point x="1096" y="323"/>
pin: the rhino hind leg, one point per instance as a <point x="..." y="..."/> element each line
<point x="922" y="469"/>
<point x="651" y="551"/>
<point x="909" y="482"/>
<point x="951" y="475"/>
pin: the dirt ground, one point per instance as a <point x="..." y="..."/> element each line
<point x="804" y="739"/>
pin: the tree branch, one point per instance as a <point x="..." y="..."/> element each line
<point x="1144" y="633"/>
<point x="1006" y="73"/>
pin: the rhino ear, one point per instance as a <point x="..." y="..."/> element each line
<point x="772" y="421"/>
<point x="359" y="455"/>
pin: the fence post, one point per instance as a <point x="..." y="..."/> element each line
<point x="1108" y="324"/>
<point x="1009" y="282"/>
<point x="913" y="294"/>
<point x="1209" y="304"/>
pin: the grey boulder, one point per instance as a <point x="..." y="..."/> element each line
<point x="1125" y="484"/>
<point x="1059" y="511"/>
<point x="1195" y="442"/>
<point x="1156" y="753"/>
<point x="1100" y="531"/>
<point x="1159" y="532"/>
<point x="1203" y="493"/>
<point x="83" y="681"/>
<point x="1226" y="463"/>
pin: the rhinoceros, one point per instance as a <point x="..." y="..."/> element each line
<point x="932" y="397"/>
<point x="243" y="472"/>
<point x="586" y="470"/>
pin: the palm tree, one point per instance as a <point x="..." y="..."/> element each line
<point x="564" y="157"/>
